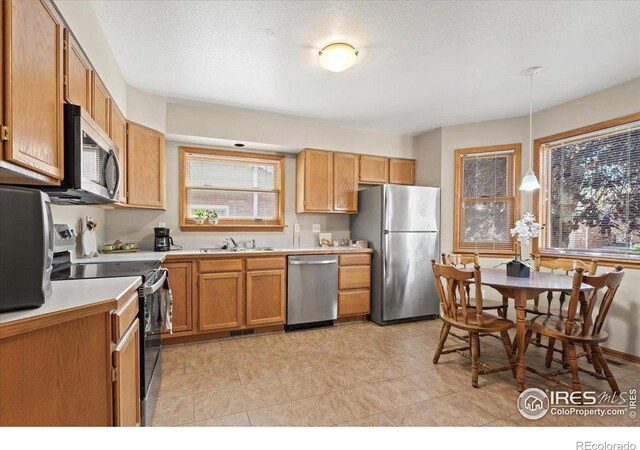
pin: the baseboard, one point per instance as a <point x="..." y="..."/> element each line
<point x="621" y="355"/>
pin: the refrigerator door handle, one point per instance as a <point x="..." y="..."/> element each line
<point x="385" y="252"/>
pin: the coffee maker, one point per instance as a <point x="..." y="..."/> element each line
<point x="163" y="241"/>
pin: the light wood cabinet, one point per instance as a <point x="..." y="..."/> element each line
<point x="118" y="134"/>
<point x="126" y="374"/>
<point x="78" y="74"/>
<point x="221" y="301"/>
<point x="32" y="122"/>
<point x="354" y="284"/>
<point x="345" y="182"/>
<point x="180" y="281"/>
<point x="145" y="167"/>
<point x="314" y="181"/>
<point x="402" y="171"/>
<point x="100" y="103"/>
<point x="266" y="297"/>
<point x="374" y="169"/>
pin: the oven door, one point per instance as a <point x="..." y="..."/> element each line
<point x="151" y="345"/>
<point x="100" y="168"/>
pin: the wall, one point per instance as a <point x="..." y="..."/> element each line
<point x="221" y="122"/>
<point x="137" y="225"/>
<point x="146" y="109"/>
<point x="614" y="102"/>
<point x="428" y="153"/>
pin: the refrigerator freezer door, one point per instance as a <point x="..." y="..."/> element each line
<point x="409" y="286"/>
<point x="411" y="208"/>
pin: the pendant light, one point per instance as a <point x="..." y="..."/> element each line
<point x="530" y="181"/>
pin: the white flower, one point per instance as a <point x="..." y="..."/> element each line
<point x="526" y="228"/>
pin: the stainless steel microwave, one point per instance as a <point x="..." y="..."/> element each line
<point x="91" y="166"/>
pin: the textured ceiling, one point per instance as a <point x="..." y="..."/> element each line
<point x="422" y="64"/>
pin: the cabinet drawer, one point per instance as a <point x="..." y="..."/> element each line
<point x="354" y="277"/>
<point x="355" y="260"/>
<point x="221" y="265"/>
<point x="122" y="317"/>
<point x="354" y="302"/>
<point x="265" y="263"/>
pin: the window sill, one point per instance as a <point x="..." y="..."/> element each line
<point x="608" y="261"/>
<point x="231" y="227"/>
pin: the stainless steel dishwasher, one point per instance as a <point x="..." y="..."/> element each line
<point x="312" y="291"/>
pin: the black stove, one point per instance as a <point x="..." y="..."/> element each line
<point x="103" y="270"/>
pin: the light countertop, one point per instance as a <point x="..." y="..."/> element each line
<point x="70" y="297"/>
<point x="146" y="255"/>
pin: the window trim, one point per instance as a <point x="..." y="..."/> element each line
<point x="238" y="225"/>
<point x="517" y="151"/>
<point x="609" y="261"/>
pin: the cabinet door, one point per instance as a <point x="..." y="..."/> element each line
<point x="402" y="171"/>
<point x="126" y="387"/>
<point x="351" y="303"/>
<point x="266" y="297"/>
<point x="318" y="180"/>
<point x="345" y="182"/>
<point x="220" y="300"/>
<point x="118" y="134"/>
<point x="145" y="167"/>
<point x="374" y="169"/>
<point x="180" y="282"/>
<point x="77" y="74"/>
<point x="33" y="97"/>
<point x="101" y="103"/>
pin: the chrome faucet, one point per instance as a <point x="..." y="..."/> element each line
<point x="226" y="244"/>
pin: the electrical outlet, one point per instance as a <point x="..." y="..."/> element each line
<point x="315" y="228"/>
<point x="296" y="228"/>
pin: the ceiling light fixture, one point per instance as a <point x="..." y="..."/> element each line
<point x="337" y="57"/>
<point x="530" y="181"/>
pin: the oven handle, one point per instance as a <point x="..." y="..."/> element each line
<point x="148" y="290"/>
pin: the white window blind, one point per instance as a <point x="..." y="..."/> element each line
<point x="486" y="201"/>
<point x="591" y="193"/>
<point x="241" y="189"/>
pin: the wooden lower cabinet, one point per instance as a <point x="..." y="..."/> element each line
<point x="266" y="297"/>
<point x="220" y="301"/>
<point x="351" y="303"/>
<point x="180" y="280"/>
<point x="126" y="386"/>
<point x="354" y="284"/>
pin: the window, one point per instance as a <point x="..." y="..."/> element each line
<point x="245" y="189"/>
<point x="591" y="190"/>
<point x="486" y="204"/>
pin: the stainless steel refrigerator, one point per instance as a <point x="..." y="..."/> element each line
<point x="402" y="225"/>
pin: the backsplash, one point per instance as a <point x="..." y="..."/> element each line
<point x="72" y="216"/>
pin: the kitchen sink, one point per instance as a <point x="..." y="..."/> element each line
<point x="237" y="250"/>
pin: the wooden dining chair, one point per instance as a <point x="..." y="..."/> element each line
<point x="575" y="328"/>
<point x="452" y="290"/>
<point x="565" y="267"/>
<point x="461" y="261"/>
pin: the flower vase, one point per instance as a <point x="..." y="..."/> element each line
<point x="517" y="268"/>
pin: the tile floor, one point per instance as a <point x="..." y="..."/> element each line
<point x="357" y="374"/>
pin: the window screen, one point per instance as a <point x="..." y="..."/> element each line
<point x="591" y="193"/>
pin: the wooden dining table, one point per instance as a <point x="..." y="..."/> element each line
<point x="522" y="290"/>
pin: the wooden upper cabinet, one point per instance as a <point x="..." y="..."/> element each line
<point x="314" y="181"/>
<point x="126" y="386"/>
<point x="101" y="103"/>
<point x="145" y="167"/>
<point x="32" y="128"/>
<point x="220" y="297"/>
<point x="118" y="134"/>
<point x="266" y="298"/>
<point x="77" y="74"/>
<point x="180" y="279"/>
<point x="374" y="169"/>
<point x="402" y="171"/>
<point x="345" y="182"/>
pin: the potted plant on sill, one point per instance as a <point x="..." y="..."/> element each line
<point x="200" y="215"/>
<point x="212" y="217"/>
<point x="525" y="229"/>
